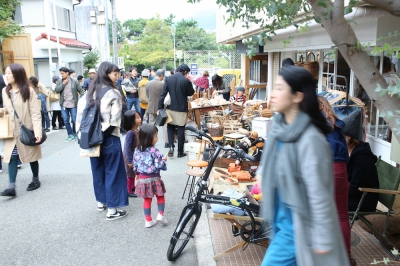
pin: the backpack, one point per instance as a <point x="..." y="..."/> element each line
<point x="42" y="99"/>
<point x="142" y="94"/>
<point x="89" y="132"/>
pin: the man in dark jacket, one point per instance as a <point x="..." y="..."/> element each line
<point x="179" y="88"/>
<point x="132" y="97"/>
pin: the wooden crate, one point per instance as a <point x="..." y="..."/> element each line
<point x="232" y="126"/>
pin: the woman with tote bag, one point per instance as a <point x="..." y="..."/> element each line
<point x="20" y="101"/>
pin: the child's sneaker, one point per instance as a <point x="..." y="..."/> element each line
<point x="161" y="219"/>
<point x="150" y="224"/>
<point x="118" y="214"/>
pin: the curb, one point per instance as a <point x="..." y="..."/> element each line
<point x="203" y="242"/>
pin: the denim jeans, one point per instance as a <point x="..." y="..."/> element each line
<point x="133" y="101"/>
<point x="109" y="175"/>
<point x="66" y="112"/>
<point x="45" y="120"/>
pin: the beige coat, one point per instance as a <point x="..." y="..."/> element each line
<point x="30" y="116"/>
<point x="153" y="91"/>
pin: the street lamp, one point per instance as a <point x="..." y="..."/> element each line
<point x="173" y="30"/>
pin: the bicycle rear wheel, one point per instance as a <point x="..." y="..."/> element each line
<point x="184" y="230"/>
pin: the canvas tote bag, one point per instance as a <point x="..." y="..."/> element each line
<point x="6" y="127"/>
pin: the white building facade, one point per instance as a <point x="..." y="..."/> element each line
<point x="54" y="42"/>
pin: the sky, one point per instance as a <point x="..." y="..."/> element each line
<point x="132" y="9"/>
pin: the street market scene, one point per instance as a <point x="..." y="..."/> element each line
<point x="267" y="132"/>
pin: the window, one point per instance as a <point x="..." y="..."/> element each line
<point x="30" y="13"/>
<point x="65" y="19"/>
<point x="258" y="71"/>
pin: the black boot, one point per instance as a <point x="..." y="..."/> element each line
<point x="181" y="154"/>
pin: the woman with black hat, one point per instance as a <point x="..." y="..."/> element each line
<point x="361" y="169"/>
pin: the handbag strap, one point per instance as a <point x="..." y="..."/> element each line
<point x="15" y="111"/>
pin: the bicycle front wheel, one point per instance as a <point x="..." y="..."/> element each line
<point x="184" y="230"/>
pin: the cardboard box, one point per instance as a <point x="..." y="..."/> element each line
<point x="191" y="147"/>
<point x="261" y="125"/>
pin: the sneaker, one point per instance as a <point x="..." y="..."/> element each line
<point x="132" y="195"/>
<point x="33" y="186"/>
<point x="161" y="219"/>
<point x="117" y="215"/>
<point x="150" y="224"/>
<point x="10" y="192"/>
<point x="166" y="145"/>
<point x="101" y="208"/>
<point x="47" y="130"/>
<point x="63" y="127"/>
<point x="70" y="138"/>
<point x="171" y="152"/>
<point x="1" y="171"/>
<point x="75" y="136"/>
<point x="55" y="128"/>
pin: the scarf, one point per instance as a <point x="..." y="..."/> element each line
<point x="281" y="169"/>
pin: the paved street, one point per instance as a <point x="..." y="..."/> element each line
<point x="58" y="224"/>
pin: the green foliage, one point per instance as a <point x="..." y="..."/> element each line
<point x="121" y="33"/>
<point x="149" y="42"/>
<point x="152" y="47"/>
<point x="8" y="26"/>
<point x="91" y="59"/>
<point x="134" y="28"/>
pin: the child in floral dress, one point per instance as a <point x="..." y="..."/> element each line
<point x="132" y="121"/>
<point x="148" y="161"/>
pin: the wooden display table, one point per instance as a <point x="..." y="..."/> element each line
<point x="206" y="109"/>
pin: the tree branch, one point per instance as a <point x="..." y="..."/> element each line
<point x="364" y="69"/>
<point x="391" y="6"/>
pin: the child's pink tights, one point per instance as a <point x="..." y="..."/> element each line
<point x="147" y="206"/>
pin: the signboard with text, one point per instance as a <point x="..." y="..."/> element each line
<point x="194" y="69"/>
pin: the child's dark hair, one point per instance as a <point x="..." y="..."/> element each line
<point x="146" y="135"/>
<point x="129" y="119"/>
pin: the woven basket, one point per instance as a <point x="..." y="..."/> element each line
<point x="300" y="63"/>
<point x="312" y="66"/>
<point x="232" y="126"/>
<point x="215" y="131"/>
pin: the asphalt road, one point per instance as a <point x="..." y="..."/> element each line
<point x="58" y="224"/>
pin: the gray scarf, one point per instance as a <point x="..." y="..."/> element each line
<point x="281" y="169"/>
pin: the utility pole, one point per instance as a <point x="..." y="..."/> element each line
<point x="114" y="31"/>
<point x="173" y="29"/>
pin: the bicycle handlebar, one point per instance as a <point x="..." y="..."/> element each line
<point x="239" y="152"/>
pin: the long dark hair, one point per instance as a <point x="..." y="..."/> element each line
<point x="21" y="80"/>
<point x="146" y="135"/>
<point x="216" y="81"/>
<point x="129" y="121"/>
<point x="300" y="80"/>
<point x="35" y="83"/>
<point x="101" y="80"/>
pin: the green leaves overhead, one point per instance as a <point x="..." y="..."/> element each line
<point x="8" y="26"/>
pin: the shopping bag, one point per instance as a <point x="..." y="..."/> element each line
<point x="91" y="152"/>
<point x="6" y="127"/>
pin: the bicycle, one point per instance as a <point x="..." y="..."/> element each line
<point x="251" y="232"/>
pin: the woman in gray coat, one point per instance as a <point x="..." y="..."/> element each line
<point x="297" y="178"/>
